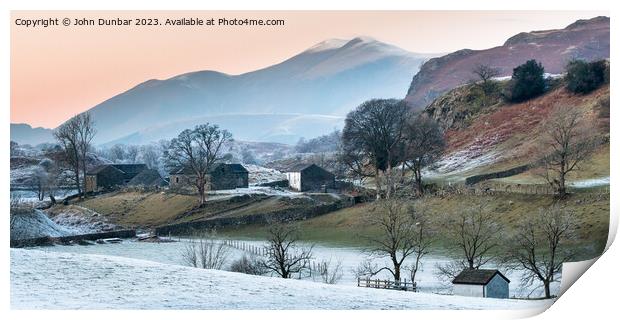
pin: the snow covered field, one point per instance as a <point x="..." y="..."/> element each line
<point x="350" y="257"/>
<point x="53" y="280"/>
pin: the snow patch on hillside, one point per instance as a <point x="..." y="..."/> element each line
<point x="80" y="281"/>
<point x="589" y="183"/>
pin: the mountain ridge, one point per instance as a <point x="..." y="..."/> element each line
<point x="586" y="39"/>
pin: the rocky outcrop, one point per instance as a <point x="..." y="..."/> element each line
<point x="584" y="39"/>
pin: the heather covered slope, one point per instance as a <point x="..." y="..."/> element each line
<point x="504" y="135"/>
<point x="583" y="39"/>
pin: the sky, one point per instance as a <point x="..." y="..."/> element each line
<point x="60" y="71"/>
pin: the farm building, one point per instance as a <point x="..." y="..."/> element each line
<point x="108" y="176"/>
<point x="481" y="283"/>
<point x="307" y="177"/>
<point x="223" y="176"/>
<point x="148" y="178"/>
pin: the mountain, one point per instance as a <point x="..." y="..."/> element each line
<point x="320" y="84"/>
<point x="25" y="134"/>
<point x="584" y="39"/>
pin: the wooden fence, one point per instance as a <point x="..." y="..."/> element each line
<point x="403" y="285"/>
<point x="313" y="268"/>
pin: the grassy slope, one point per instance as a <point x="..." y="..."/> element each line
<point x="345" y="227"/>
<point x="512" y="130"/>
<point x="149" y="209"/>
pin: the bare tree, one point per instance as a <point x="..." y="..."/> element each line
<point x="475" y="232"/>
<point x="198" y="150"/>
<point x="373" y="135"/>
<point x="117" y="153"/>
<point x="39" y="181"/>
<point x="86" y="132"/>
<point x="285" y="256"/>
<point x="67" y="136"/>
<point x="203" y="250"/>
<point x="539" y="245"/>
<point x="329" y="272"/>
<point x="75" y="136"/>
<point x="132" y="153"/>
<point x="567" y="142"/>
<point x="402" y="233"/>
<point x="424" y="145"/>
<point x="484" y="78"/>
<point x="150" y="154"/>
<point x="424" y="236"/>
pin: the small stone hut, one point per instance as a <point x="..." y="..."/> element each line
<point x="482" y="283"/>
<point x="309" y="177"/>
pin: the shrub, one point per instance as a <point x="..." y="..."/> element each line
<point x="527" y="81"/>
<point x="248" y="265"/>
<point x="583" y="77"/>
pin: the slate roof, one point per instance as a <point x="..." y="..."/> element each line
<point x="299" y="167"/>
<point x="477" y="276"/>
<point x="96" y="170"/>
<point x="148" y="177"/>
<point x="133" y="168"/>
<point x="234" y="167"/>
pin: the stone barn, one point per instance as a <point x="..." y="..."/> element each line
<point x="223" y="176"/>
<point x="482" y="283"/>
<point x="149" y="178"/>
<point x="109" y="176"/>
<point x="310" y="177"/>
<point x="226" y="176"/>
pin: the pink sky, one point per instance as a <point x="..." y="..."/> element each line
<point x="57" y="72"/>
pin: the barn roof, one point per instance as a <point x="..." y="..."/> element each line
<point x="234" y="167"/>
<point x="99" y="168"/>
<point x="130" y="168"/>
<point x="299" y="167"/>
<point x="477" y="276"/>
<point x="148" y="177"/>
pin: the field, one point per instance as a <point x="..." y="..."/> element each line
<point x="150" y="209"/>
<point x="346" y="226"/>
<point x="82" y="281"/>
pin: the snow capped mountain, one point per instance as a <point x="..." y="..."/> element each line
<point x="322" y="84"/>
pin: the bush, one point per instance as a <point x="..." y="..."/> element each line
<point x="248" y="265"/>
<point x="583" y="77"/>
<point x="527" y="81"/>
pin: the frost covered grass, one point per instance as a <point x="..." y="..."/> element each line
<point x="350" y="258"/>
<point x="47" y="280"/>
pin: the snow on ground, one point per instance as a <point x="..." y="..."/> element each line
<point x="460" y="162"/>
<point x="258" y="174"/>
<point x="258" y="190"/>
<point x="350" y="257"/>
<point x="589" y="183"/>
<point x="36" y="224"/>
<point x="81" y="220"/>
<point x="46" y="280"/>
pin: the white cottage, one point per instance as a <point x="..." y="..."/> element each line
<point x="481" y="283"/>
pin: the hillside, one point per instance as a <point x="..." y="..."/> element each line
<point x="583" y="39"/>
<point x="504" y="135"/>
<point x="136" y="209"/>
<point x="306" y="95"/>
